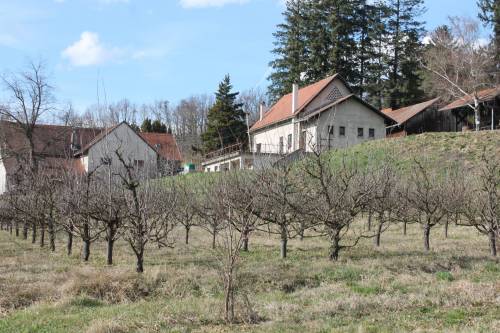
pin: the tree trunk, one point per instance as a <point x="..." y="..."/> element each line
<point x="42" y="235"/>
<point x="229" y="300"/>
<point x="17" y="229"/>
<point x="109" y="257"/>
<point x="246" y="236"/>
<point x="52" y="235"/>
<point x="370" y="214"/>
<point x="427" y="235"/>
<point x="187" y="234"/>
<point x="214" y="237"/>
<point x="379" y="234"/>
<point x="10" y="228"/>
<point x="140" y="261"/>
<point x="110" y="239"/>
<point x="33" y="234"/>
<point x="284" y="242"/>
<point x="335" y="246"/>
<point x="493" y="240"/>
<point x="25" y="230"/>
<point x="69" y="245"/>
<point x="404" y="228"/>
<point x="86" y="250"/>
<point x="446" y="225"/>
<point x="477" y="115"/>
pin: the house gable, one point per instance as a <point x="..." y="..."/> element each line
<point x="123" y="140"/>
<point x="310" y="96"/>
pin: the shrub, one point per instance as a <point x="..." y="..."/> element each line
<point x="444" y="276"/>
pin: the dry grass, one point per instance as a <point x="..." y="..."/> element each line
<point x="396" y="287"/>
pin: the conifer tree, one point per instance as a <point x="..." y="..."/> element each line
<point x="289" y="49"/>
<point x="146" y="126"/>
<point x="375" y="77"/>
<point x="490" y="16"/>
<point x="406" y="32"/>
<point x="226" y="119"/>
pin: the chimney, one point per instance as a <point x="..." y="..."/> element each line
<point x="263" y="110"/>
<point x="295" y="97"/>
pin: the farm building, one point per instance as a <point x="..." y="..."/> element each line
<point x="321" y="116"/>
<point x="84" y="150"/>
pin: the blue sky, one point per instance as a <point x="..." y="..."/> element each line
<point x="146" y="50"/>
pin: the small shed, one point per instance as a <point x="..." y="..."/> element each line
<point x="489" y="109"/>
<point x="419" y="118"/>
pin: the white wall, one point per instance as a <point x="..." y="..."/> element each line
<point x="269" y="138"/>
<point x="352" y="115"/>
<point x="124" y="140"/>
<point x="3" y="178"/>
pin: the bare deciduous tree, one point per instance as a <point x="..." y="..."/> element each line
<point x="481" y="202"/>
<point x="459" y="65"/>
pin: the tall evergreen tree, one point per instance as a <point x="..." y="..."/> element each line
<point x="289" y="49"/>
<point x="490" y="15"/>
<point x="343" y="20"/>
<point x="374" y="54"/>
<point x="406" y="32"/>
<point x="226" y="119"/>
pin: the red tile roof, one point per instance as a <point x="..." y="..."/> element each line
<point x="404" y="114"/>
<point x="483" y="96"/>
<point x="282" y="110"/>
<point x="52" y="142"/>
<point x="167" y="148"/>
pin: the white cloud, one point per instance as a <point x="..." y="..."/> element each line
<point x="209" y="3"/>
<point x="89" y="50"/>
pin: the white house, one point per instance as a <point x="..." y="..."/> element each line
<point x="321" y="116"/>
<point x="85" y="150"/>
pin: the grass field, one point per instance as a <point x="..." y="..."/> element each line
<point x="394" y="288"/>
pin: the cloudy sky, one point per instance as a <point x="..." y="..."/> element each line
<point x="152" y="49"/>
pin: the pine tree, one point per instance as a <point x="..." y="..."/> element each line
<point x="146" y="126"/>
<point x="375" y="75"/>
<point x="490" y="16"/>
<point x="226" y="120"/>
<point x="289" y="49"/>
<point x="343" y="20"/>
<point x="158" y="127"/>
<point x="406" y="32"/>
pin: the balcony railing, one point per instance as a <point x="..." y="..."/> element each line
<point x="226" y="151"/>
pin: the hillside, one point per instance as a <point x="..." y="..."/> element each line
<point x="466" y="147"/>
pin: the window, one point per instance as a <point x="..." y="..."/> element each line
<point x="289" y="142"/>
<point x="371" y="133"/>
<point x="281" y="145"/>
<point x="360" y="132"/>
<point x="330" y="130"/>
<point x="342" y="131"/>
<point x="216" y="168"/>
<point x="259" y="147"/>
<point x="139" y="164"/>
